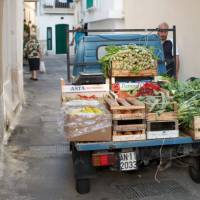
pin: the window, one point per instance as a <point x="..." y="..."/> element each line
<point x="49" y="38"/>
<point x="101" y="51"/>
<point x="90" y="3"/>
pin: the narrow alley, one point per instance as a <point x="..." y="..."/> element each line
<point x="36" y="165"/>
<point x="126" y="125"/>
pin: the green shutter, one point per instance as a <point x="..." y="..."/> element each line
<point x="90" y="3"/>
<point x="49" y="38"/>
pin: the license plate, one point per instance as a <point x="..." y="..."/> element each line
<point x="128" y="161"/>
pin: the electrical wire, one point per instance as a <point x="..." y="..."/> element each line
<point x="144" y="37"/>
<point x="158" y="168"/>
<point x="170" y="159"/>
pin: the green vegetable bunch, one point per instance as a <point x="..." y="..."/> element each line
<point x="159" y="103"/>
<point x="187" y="95"/>
<point x="132" y="57"/>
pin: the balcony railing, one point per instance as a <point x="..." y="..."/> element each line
<point x="31" y="0"/>
<point x="58" y="4"/>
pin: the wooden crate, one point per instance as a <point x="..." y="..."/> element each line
<point x="165" y="116"/>
<point x="127" y="73"/>
<point x="129" y="127"/>
<point x="86" y="92"/>
<point x="125" y="89"/>
<point x="126" y="130"/>
<point x="126" y="109"/>
<point x="162" y="129"/>
<point x="128" y="117"/>
<point x="195" y="132"/>
<point x="129" y="136"/>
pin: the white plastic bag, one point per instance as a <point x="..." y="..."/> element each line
<point x="42" y="67"/>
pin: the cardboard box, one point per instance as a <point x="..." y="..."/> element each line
<point x="101" y="135"/>
<point x="83" y="124"/>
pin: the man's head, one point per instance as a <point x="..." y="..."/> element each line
<point x="78" y="27"/>
<point x="161" y="32"/>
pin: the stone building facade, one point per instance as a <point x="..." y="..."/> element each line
<point x="11" y="64"/>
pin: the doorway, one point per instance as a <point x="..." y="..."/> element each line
<point x="61" y="38"/>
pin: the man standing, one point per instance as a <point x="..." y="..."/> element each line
<point x="168" y="51"/>
<point x="78" y="35"/>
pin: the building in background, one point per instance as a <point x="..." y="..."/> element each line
<point x="30" y="12"/>
<point x="11" y="62"/>
<point x="30" y="22"/>
<point x="78" y="11"/>
<point x="54" y="17"/>
<point x="99" y="14"/>
<point x="148" y="14"/>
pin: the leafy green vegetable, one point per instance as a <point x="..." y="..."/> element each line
<point x="158" y="104"/>
<point x="187" y="95"/>
<point x="132" y="57"/>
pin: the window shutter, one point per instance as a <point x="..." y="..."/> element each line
<point x="90" y="3"/>
<point x="49" y="38"/>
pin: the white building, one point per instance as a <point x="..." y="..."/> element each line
<point x="30" y="12"/>
<point x="53" y="18"/>
<point x="100" y="14"/>
<point x="30" y="25"/>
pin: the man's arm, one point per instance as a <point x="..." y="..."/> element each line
<point x="73" y="40"/>
<point x="177" y="66"/>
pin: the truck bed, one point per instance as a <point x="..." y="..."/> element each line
<point x="92" y="146"/>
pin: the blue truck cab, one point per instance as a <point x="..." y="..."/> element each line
<point x="89" y="50"/>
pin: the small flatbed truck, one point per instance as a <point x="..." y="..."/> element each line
<point x="123" y="155"/>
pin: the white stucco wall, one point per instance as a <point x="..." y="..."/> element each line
<point x="182" y="13"/>
<point x="103" y="11"/>
<point x="1" y="75"/>
<point x="107" y="24"/>
<point x="11" y="62"/>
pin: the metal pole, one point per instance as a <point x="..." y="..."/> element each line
<point x="119" y="30"/>
<point x="68" y="56"/>
<point x="174" y="46"/>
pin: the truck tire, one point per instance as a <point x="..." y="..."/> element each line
<point x="82" y="186"/>
<point x="194" y="170"/>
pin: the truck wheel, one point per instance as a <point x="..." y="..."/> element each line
<point x="194" y="170"/>
<point x="82" y="186"/>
